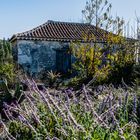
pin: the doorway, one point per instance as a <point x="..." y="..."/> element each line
<point x="63" y="61"/>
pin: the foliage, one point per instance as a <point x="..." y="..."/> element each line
<point x="6" y="64"/>
<point x="97" y="12"/>
<point x="120" y="72"/>
<point x="110" y="58"/>
<point x="7" y="71"/>
<point x="108" y="113"/>
<point x="90" y="61"/>
<point x="5" y="52"/>
<point x="9" y="97"/>
<point x="52" y="77"/>
<point x="136" y="73"/>
<point x="104" y="61"/>
<point x="75" y="82"/>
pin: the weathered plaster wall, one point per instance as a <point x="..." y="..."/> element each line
<point x="35" y="56"/>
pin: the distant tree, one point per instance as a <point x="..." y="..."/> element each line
<point x="97" y="12"/>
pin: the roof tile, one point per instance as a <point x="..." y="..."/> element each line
<point x="61" y="31"/>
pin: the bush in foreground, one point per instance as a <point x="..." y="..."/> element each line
<point x="101" y="114"/>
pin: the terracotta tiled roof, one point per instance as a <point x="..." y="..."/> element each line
<point x="61" y="31"/>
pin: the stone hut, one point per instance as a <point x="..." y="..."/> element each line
<point x="46" y="46"/>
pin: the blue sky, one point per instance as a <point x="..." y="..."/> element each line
<point x="21" y="15"/>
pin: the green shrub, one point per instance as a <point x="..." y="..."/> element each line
<point x="52" y="77"/>
<point x="6" y="61"/>
<point x="120" y="72"/>
<point x="7" y="71"/>
<point x="8" y="97"/>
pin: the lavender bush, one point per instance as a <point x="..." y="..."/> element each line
<point x="105" y="113"/>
